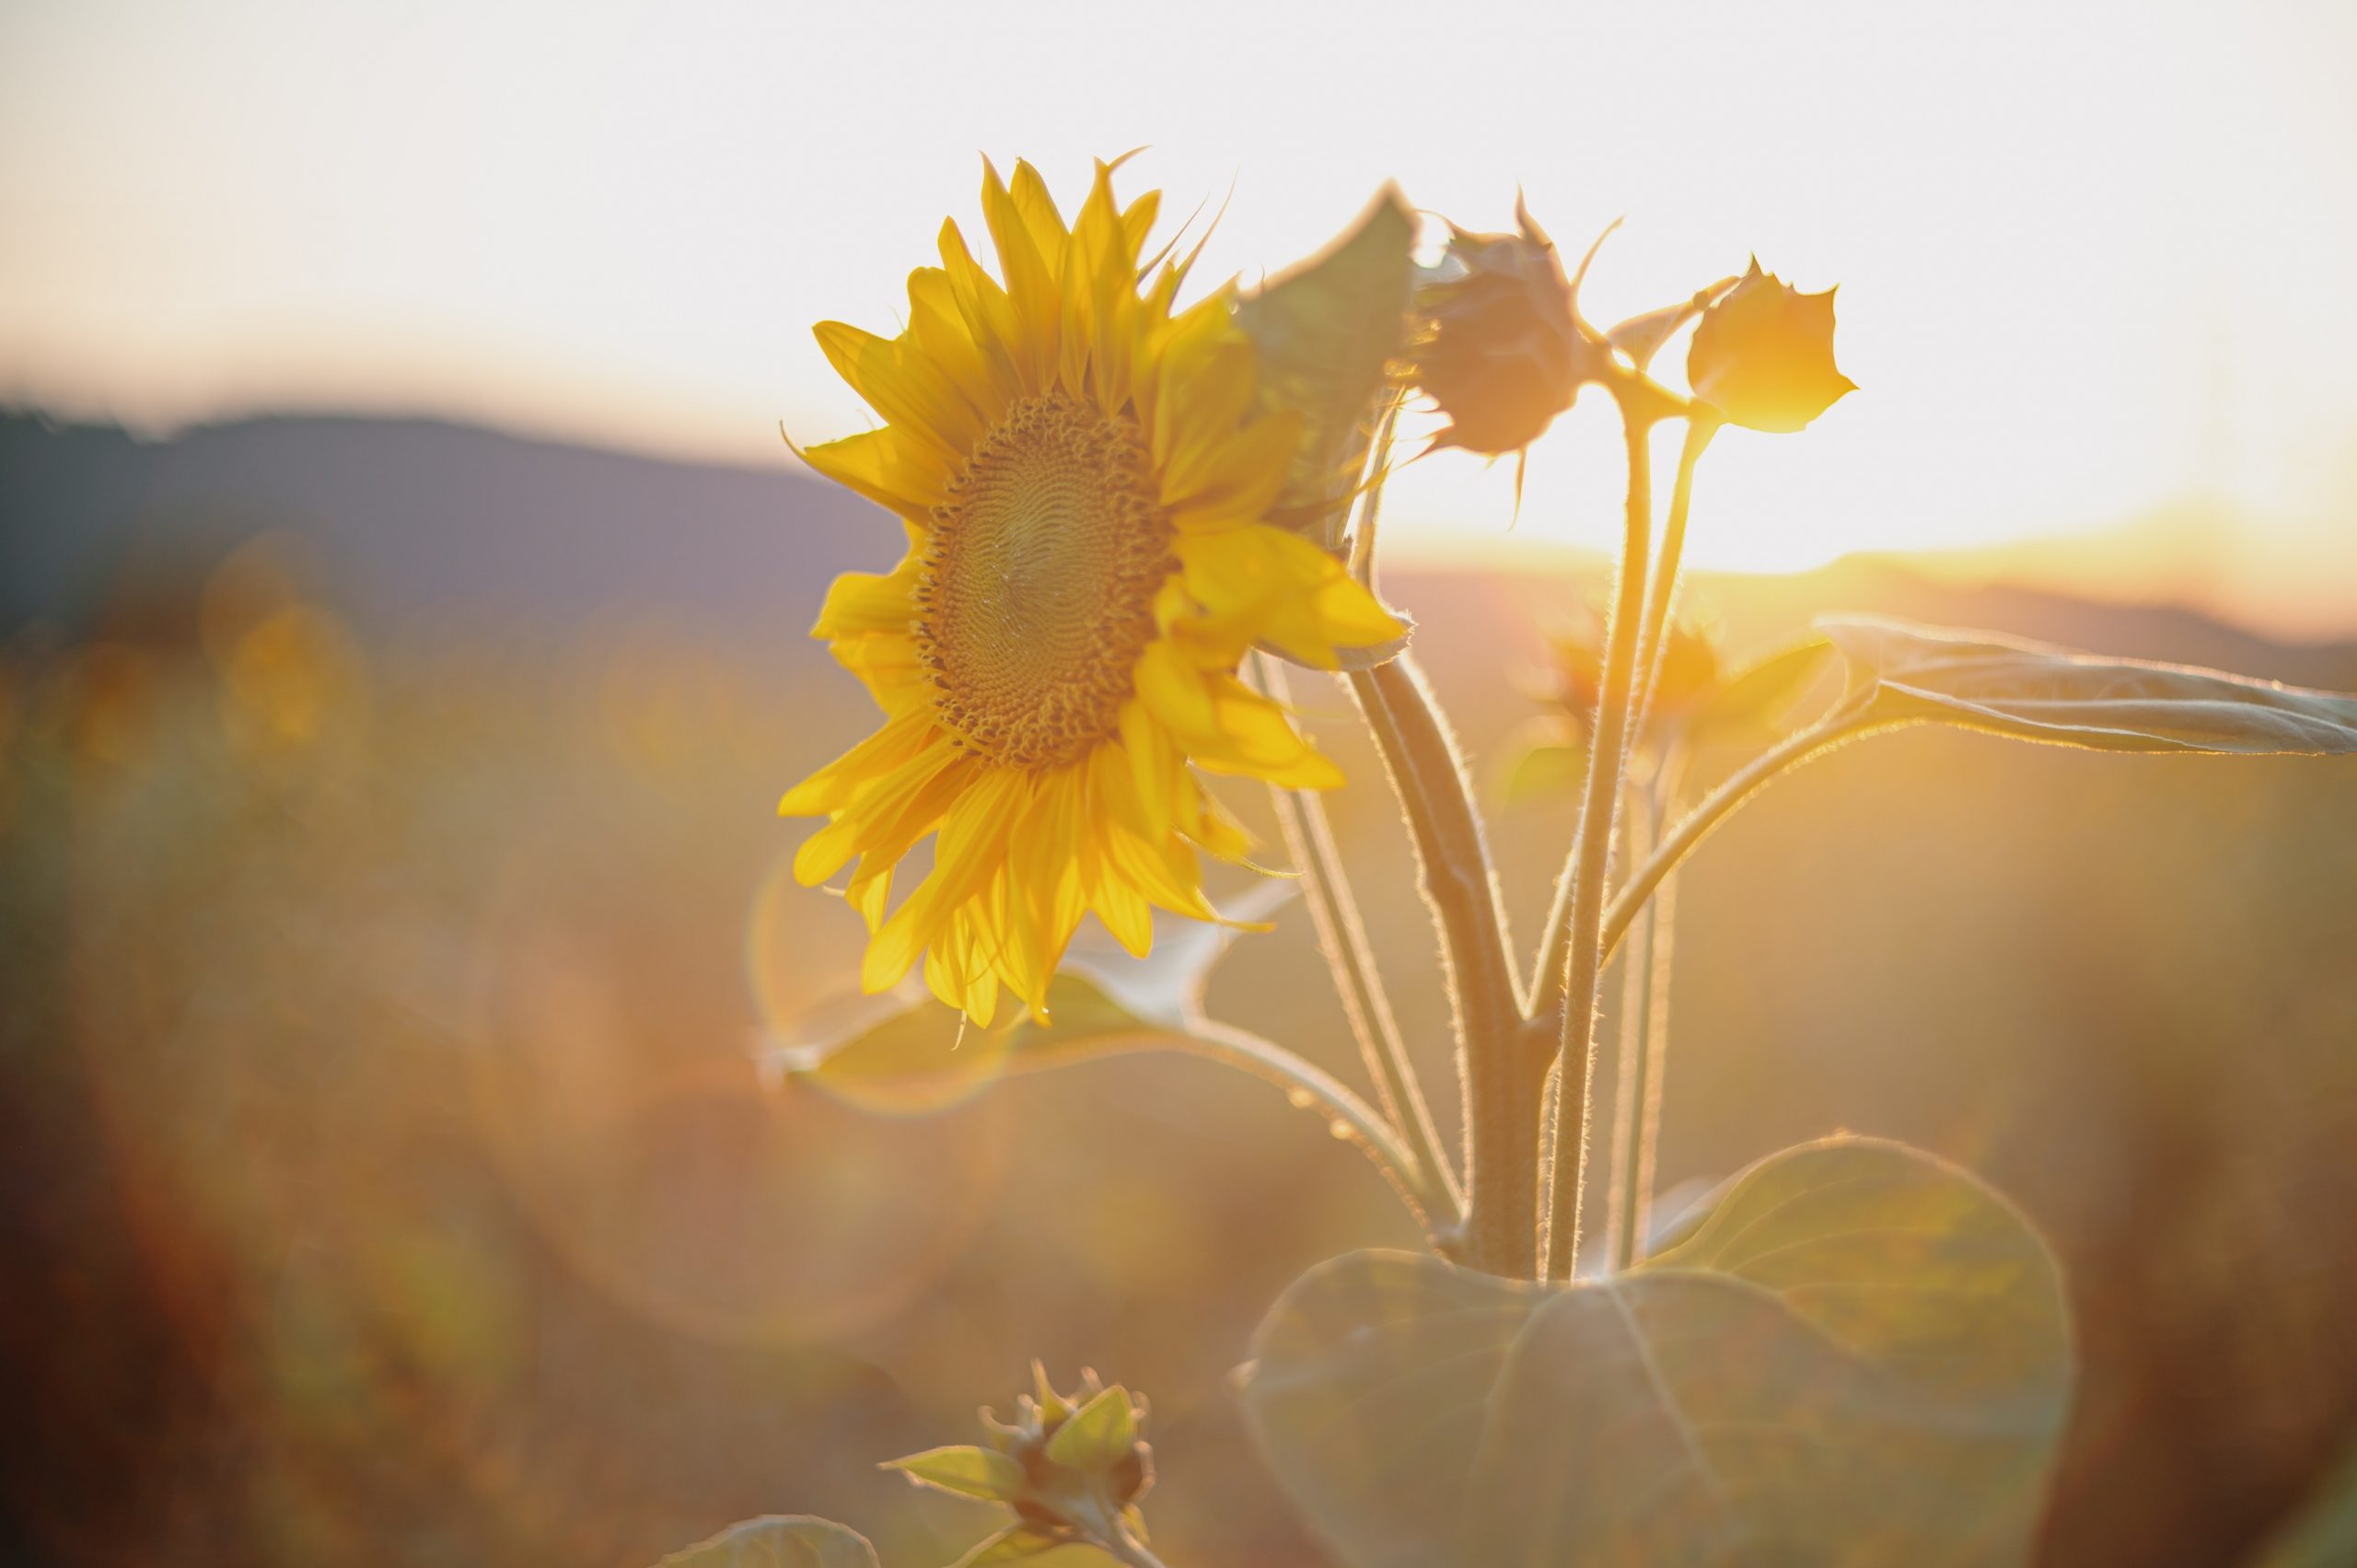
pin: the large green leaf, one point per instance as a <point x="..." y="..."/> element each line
<point x="1861" y="1357"/>
<point x="2036" y="692"/>
<point x="779" y="1540"/>
<point x="1325" y="329"/>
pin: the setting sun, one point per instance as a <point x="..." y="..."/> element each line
<point x="2091" y="258"/>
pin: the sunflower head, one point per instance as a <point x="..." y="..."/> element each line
<point x="1084" y="474"/>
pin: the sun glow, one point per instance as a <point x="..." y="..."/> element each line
<point x="2089" y="259"/>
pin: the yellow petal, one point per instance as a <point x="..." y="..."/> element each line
<point x="884" y="816"/>
<point x="890" y="666"/>
<point x="1123" y="911"/>
<point x="966" y="853"/>
<point x="913" y="394"/>
<point x="1256" y="739"/>
<point x="1173" y="691"/>
<point x="939" y="331"/>
<point x="1239" y="480"/>
<point x="1031" y="283"/>
<point x="983" y="305"/>
<point x="1285" y="590"/>
<point x="860" y="602"/>
<point x="875" y="757"/>
<point x="882" y="465"/>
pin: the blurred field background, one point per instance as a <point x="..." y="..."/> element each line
<point x="395" y="911"/>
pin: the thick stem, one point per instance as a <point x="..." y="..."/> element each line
<point x="1499" y="1072"/>
<point x="1341" y="936"/>
<point x="1591" y="863"/>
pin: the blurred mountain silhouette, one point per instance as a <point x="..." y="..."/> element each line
<point x="404" y="517"/>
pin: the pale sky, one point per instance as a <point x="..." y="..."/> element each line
<point x="2094" y="259"/>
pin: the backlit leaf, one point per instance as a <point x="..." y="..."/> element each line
<point x="1545" y="761"/>
<point x="1325" y="329"/>
<point x="1100" y="1435"/>
<point x="1860" y="1357"/>
<point x="1751" y="708"/>
<point x="2032" y="692"/>
<point x="779" y="1540"/>
<point x="1641" y="337"/>
<point x="910" y="1056"/>
<point x="966" y="1471"/>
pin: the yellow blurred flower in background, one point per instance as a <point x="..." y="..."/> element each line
<point x="1084" y="490"/>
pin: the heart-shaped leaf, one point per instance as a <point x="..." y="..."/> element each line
<point x="779" y="1540"/>
<point x="1861" y="1357"/>
<point x="1325" y="329"/>
<point x="2032" y="691"/>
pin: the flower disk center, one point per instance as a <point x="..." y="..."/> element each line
<point x="1038" y="594"/>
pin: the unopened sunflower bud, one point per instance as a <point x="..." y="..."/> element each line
<point x="1763" y="354"/>
<point x="1503" y="353"/>
<point x="1066" y="1463"/>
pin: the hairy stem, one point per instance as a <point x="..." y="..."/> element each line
<point x="1645" y="1049"/>
<point x="1554" y="941"/>
<point x="1341" y="936"/>
<point x="1591" y="862"/>
<point x="1661" y="600"/>
<point x="1494" y="1064"/>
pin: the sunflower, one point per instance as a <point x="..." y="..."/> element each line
<point x="1086" y="486"/>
